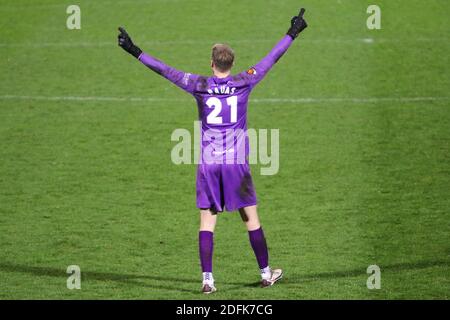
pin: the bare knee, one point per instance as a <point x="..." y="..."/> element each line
<point x="208" y="220"/>
<point x="249" y="216"/>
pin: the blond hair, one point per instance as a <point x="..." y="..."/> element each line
<point x="222" y="57"/>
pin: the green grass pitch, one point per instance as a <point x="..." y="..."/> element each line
<point x="86" y="179"/>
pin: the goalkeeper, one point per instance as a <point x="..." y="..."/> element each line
<point x="224" y="181"/>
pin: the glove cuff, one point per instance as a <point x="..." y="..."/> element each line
<point x="292" y="33"/>
<point x="135" y="51"/>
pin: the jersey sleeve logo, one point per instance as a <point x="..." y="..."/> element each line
<point x="186" y="78"/>
<point x="251" y="71"/>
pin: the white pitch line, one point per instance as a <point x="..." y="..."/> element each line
<point x="87" y="98"/>
<point x="18" y="6"/>
<point x="349" y="99"/>
<point x="256" y="100"/>
<point x="112" y="43"/>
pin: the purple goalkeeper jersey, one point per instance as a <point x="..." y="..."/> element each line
<point x="222" y="104"/>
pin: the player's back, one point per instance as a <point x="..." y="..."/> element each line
<point x="222" y="106"/>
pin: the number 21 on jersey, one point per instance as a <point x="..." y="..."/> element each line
<point x="216" y="104"/>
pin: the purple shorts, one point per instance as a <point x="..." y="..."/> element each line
<point x="222" y="186"/>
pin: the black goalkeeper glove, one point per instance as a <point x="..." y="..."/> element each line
<point x="128" y="45"/>
<point x="298" y="24"/>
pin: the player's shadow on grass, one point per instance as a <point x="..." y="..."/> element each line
<point x="132" y="279"/>
<point x="298" y="279"/>
<point x="129" y="279"/>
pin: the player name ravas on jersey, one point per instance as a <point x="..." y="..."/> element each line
<point x="221" y="90"/>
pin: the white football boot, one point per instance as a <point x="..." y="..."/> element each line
<point x="208" y="288"/>
<point x="276" y="275"/>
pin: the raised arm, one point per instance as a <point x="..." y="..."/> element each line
<point x="185" y="81"/>
<point x="258" y="72"/>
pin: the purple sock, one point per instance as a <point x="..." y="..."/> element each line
<point x="258" y="242"/>
<point x="205" y="246"/>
